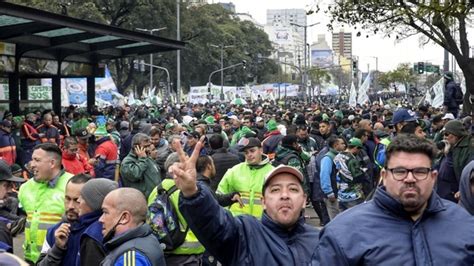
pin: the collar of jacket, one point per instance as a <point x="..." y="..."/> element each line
<point x="141" y="231"/>
<point x="220" y="150"/>
<point x="69" y="156"/>
<point x="52" y="182"/>
<point x="202" y="178"/>
<point x="86" y="220"/>
<point x="463" y="142"/>
<point x="392" y="206"/>
<point x="283" y="233"/>
<point x="264" y="162"/>
<point x="102" y="140"/>
<point x="272" y="133"/>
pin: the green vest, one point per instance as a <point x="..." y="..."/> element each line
<point x="44" y="206"/>
<point x="191" y="244"/>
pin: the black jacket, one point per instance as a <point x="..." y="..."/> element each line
<point x="223" y="160"/>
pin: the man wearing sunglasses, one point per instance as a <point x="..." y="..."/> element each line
<point x="406" y="223"/>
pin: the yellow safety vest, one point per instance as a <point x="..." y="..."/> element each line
<point x="44" y="206"/>
<point x="191" y="245"/>
<point x="249" y="183"/>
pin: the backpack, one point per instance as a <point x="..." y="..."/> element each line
<point x="458" y="95"/>
<point x="283" y="160"/>
<point x="163" y="220"/>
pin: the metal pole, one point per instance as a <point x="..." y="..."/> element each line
<point x="222" y="73"/>
<point x="178" y="55"/>
<point x="376" y="73"/>
<point x="304" y="69"/>
<point x="151" y="71"/>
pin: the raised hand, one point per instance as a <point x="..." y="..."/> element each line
<point x="61" y="235"/>
<point x="184" y="172"/>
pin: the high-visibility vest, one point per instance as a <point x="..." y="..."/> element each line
<point x="44" y="206"/>
<point x="191" y="245"/>
<point x="248" y="181"/>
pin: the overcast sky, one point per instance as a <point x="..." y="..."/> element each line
<point x="389" y="53"/>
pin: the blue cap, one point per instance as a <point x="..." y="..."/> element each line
<point x="402" y="115"/>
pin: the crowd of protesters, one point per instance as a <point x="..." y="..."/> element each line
<point x="240" y="178"/>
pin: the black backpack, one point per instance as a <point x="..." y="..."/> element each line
<point x="163" y="220"/>
<point x="458" y="95"/>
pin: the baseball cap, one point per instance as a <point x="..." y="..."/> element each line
<point x="124" y="125"/>
<point x="194" y="134"/>
<point x="247" y="143"/>
<point x="169" y="126"/>
<point x="280" y="170"/>
<point x="355" y="142"/>
<point x="82" y="133"/>
<point x="6" y="123"/>
<point x="448" y="75"/>
<point x="6" y="173"/>
<point x="233" y="117"/>
<point x="402" y="115"/>
<point x="258" y="119"/>
<point x="448" y="116"/>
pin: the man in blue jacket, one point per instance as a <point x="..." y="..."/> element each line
<point x="280" y="238"/>
<point x="406" y="223"/>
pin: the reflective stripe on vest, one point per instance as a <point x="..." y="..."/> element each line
<point x="252" y="204"/>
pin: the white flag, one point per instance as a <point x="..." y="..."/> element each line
<point x="435" y="95"/>
<point x="353" y="96"/>
<point x="363" y="97"/>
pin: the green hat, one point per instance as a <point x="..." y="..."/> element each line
<point x="325" y="117"/>
<point x="169" y="126"/>
<point x="210" y="120"/>
<point x="456" y="128"/>
<point x="339" y="114"/>
<point x="271" y="125"/>
<point x="101" y="131"/>
<point x="355" y="142"/>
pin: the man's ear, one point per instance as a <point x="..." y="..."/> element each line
<point x="304" y="201"/>
<point x="263" y="202"/>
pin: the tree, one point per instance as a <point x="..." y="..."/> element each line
<point x="436" y="20"/>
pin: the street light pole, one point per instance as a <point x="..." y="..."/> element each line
<point x="222" y="47"/>
<point x="168" y="79"/>
<point x="178" y="54"/>
<point x="221" y="70"/>
<point x="305" y="69"/>
<point x="151" y="55"/>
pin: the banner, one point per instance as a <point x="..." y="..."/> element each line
<point x="74" y="91"/>
<point x="435" y="95"/>
<point x="363" y="96"/>
<point x="353" y="96"/>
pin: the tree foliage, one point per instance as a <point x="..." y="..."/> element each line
<point x="402" y="74"/>
<point x="442" y="22"/>
<point x="200" y="27"/>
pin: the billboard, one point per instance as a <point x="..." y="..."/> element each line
<point x="321" y="58"/>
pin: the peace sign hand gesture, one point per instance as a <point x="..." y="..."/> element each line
<point x="184" y="172"/>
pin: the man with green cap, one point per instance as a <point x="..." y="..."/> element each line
<point x="105" y="155"/>
<point x="350" y="175"/>
<point x="272" y="139"/>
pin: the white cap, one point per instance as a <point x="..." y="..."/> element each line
<point x="234" y="117"/>
<point x="351" y="117"/>
<point x="258" y="119"/>
<point x="448" y="116"/>
<point x="282" y="169"/>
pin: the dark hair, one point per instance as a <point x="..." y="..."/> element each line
<point x="155" y="131"/>
<point x="410" y="143"/>
<point x="332" y="141"/>
<point x="80" y="179"/>
<point x="216" y="141"/>
<point x="360" y="132"/>
<point x="68" y="141"/>
<point x="409" y="128"/>
<point x="52" y="150"/>
<point x="202" y="162"/>
<point x="345" y="122"/>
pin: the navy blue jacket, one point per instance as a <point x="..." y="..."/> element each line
<point x="244" y="240"/>
<point x="449" y="100"/>
<point x="380" y="232"/>
<point x="69" y="256"/>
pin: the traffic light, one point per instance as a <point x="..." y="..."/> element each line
<point x="354" y="65"/>
<point x="421" y="67"/>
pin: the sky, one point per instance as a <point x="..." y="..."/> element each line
<point x="388" y="52"/>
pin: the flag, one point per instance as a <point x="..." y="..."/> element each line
<point x="353" y="96"/>
<point x="435" y="95"/>
<point x="363" y="97"/>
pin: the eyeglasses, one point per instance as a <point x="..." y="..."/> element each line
<point x="419" y="173"/>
